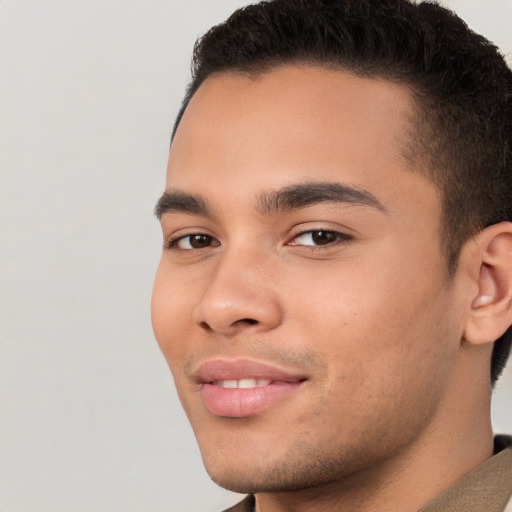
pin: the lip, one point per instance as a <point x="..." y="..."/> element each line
<point x="244" y="402"/>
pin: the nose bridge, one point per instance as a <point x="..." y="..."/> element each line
<point x="241" y="293"/>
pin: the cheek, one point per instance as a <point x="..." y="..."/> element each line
<point x="378" y="322"/>
<point x="387" y="349"/>
<point x="171" y="324"/>
<point x="168" y="313"/>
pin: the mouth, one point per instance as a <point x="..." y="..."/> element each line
<point x="243" y="388"/>
<point x="242" y="383"/>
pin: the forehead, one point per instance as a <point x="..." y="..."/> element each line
<point x="291" y="124"/>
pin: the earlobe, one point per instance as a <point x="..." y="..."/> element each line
<point x="491" y="307"/>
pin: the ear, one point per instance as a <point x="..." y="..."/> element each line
<point x="491" y="306"/>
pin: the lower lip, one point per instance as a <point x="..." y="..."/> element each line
<point x="243" y="402"/>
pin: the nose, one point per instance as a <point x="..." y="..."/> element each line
<point x="241" y="296"/>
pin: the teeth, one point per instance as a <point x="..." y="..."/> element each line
<point x="243" y="383"/>
<point x="247" y="383"/>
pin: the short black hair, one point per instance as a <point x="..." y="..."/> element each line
<point x="461" y="84"/>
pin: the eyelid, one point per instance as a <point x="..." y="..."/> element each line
<point x="342" y="237"/>
<point x="171" y="242"/>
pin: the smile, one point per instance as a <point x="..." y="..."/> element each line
<point x="242" y="388"/>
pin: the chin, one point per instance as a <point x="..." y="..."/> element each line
<point x="250" y="474"/>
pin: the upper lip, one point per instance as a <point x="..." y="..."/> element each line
<point x="215" y="370"/>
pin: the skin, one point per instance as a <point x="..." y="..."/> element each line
<point x="395" y="406"/>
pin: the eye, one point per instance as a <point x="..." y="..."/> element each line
<point x="319" y="238"/>
<point x="191" y="242"/>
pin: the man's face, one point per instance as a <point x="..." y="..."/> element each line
<point x="302" y="301"/>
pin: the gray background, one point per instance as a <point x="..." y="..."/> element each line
<point x="89" y="420"/>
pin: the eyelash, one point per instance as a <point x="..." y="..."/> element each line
<point x="172" y="244"/>
<point x="339" y="237"/>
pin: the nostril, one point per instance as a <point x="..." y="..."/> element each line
<point x="205" y="326"/>
<point x="249" y="321"/>
<point x="229" y="327"/>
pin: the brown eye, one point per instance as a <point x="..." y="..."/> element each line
<point x="190" y="242"/>
<point x="320" y="237"/>
<point x="324" y="237"/>
<point x="199" y="241"/>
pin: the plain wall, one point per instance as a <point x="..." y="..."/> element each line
<point x="89" y="419"/>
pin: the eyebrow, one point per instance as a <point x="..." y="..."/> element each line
<point x="181" y="202"/>
<point x="292" y="197"/>
<point x="307" y="194"/>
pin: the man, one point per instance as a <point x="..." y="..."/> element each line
<point x="334" y="295"/>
